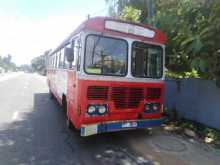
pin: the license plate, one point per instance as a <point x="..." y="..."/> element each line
<point x="132" y="124"/>
<point x="91" y="130"/>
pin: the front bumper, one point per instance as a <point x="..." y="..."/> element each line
<point x="92" y="129"/>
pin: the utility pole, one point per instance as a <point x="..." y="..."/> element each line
<point x="151" y="12"/>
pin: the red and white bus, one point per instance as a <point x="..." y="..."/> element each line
<point x="109" y="76"/>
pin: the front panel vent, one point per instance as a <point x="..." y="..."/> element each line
<point x="125" y="97"/>
<point x="153" y="93"/>
<point x="97" y="93"/>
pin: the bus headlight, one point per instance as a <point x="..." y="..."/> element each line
<point x="147" y="107"/>
<point x="152" y="107"/>
<point x="156" y="107"/>
<point x="91" y="109"/>
<point x="102" y="109"/>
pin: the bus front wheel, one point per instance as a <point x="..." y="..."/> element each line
<point x="51" y="94"/>
<point x="69" y="124"/>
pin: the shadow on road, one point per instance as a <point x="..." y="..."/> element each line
<point x="41" y="137"/>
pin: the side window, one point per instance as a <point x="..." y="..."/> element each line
<point x="50" y="61"/>
<point x="78" y="53"/>
<point x="76" y="46"/>
<point x="55" y="60"/>
<point x="74" y="50"/>
<point x="66" y="63"/>
<point x="61" y="62"/>
<point x="58" y="59"/>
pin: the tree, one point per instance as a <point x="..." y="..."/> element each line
<point x="192" y="29"/>
<point x="7" y="64"/>
<point x="131" y="14"/>
<point x="39" y="63"/>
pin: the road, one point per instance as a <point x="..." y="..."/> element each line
<point x="33" y="132"/>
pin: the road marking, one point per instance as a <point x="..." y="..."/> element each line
<point x="15" y="115"/>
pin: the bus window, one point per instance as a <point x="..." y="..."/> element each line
<point x="147" y="60"/>
<point x="61" y="62"/>
<point x="78" y="53"/>
<point x="49" y="62"/>
<point x="54" y="61"/>
<point x="58" y="59"/>
<point x="106" y="56"/>
<point x="76" y="50"/>
<point x="66" y="63"/>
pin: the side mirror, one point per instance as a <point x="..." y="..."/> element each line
<point x="68" y="52"/>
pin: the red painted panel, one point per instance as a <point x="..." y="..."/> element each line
<point x="72" y="98"/>
<point x="116" y="113"/>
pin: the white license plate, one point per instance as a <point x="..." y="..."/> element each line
<point x="91" y="130"/>
<point x="132" y="124"/>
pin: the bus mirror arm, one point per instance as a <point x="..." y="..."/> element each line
<point x="69" y="54"/>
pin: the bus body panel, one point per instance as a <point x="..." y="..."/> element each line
<point x="78" y="101"/>
<point x="57" y="81"/>
<point x="72" y="102"/>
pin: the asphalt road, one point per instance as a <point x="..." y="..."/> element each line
<point x="33" y="132"/>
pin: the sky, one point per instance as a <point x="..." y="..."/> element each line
<point x="30" y="27"/>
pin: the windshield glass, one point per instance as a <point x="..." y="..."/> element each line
<point x="147" y="60"/>
<point x="106" y="56"/>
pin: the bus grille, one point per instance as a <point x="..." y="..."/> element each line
<point x="153" y="93"/>
<point x="97" y="93"/>
<point x="124" y="97"/>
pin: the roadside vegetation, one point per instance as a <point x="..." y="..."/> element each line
<point x="191" y="27"/>
<point x="194" y="130"/>
<point x="38" y="64"/>
<point x="6" y="64"/>
<point x="191" y="129"/>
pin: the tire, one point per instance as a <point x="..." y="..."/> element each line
<point x="64" y="105"/>
<point x="51" y="94"/>
<point x="69" y="124"/>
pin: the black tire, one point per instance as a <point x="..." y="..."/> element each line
<point x="64" y="105"/>
<point x="69" y="124"/>
<point x="51" y="94"/>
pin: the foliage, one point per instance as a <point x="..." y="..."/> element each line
<point x="179" y="75"/>
<point x="201" y="130"/>
<point x="38" y="64"/>
<point x="192" y="29"/>
<point x="131" y="14"/>
<point x="6" y="64"/>
<point x="25" y="68"/>
<point x="116" y="7"/>
<point x="197" y="130"/>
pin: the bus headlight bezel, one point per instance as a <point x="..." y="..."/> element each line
<point x="102" y="109"/>
<point x="97" y="109"/>
<point x="91" y="109"/>
<point x="152" y="107"/>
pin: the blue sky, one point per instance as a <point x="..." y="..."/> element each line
<point x="29" y="27"/>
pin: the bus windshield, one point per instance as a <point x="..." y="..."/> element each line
<point x="106" y="56"/>
<point x="147" y="60"/>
